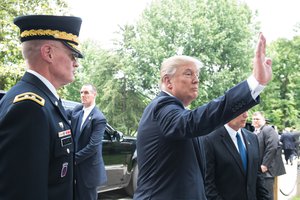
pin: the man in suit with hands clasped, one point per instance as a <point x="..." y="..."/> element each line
<point x="88" y="124"/>
<point x="233" y="163"/>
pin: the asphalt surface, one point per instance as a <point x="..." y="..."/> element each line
<point x="288" y="183"/>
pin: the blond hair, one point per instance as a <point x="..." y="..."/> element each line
<point x="170" y="65"/>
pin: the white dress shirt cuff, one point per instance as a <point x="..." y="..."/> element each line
<point x="254" y="86"/>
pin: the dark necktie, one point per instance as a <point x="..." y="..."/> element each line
<point x="78" y="126"/>
<point x="61" y="107"/>
<point x="242" y="151"/>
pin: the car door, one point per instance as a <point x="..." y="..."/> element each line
<point x="117" y="155"/>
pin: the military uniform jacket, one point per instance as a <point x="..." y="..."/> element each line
<point x="36" y="145"/>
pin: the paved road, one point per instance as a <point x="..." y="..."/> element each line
<point x="287" y="184"/>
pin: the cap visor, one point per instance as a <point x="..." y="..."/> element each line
<point x="73" y="49"/>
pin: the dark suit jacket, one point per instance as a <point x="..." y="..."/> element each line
<point x="168" y="151"/>
<point x="288" y="141"/>
<point x="90" y="169"/>
<point x="270" y="150"/>
<point x="36" y="146"/>
<point x="225" y="178"/>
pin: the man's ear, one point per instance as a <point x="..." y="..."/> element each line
<point x="167" y="81"/>
<point x="46" y="51"/>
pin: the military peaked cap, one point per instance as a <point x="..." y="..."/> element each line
<point x="49" y="27"/>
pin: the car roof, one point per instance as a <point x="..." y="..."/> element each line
<point x="69" y="105"/>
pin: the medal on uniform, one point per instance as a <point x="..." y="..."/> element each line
<point x="61" y="125"/>
<point x="64" y="169"/>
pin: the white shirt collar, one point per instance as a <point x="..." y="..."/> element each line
<point x="45" y="81"/>
<point x="175" y="97"/>
<point x="232" y="134"/>
<point x="86" y="113"/>
<point x="88" y="109"/>
<point x="168" y="93"/>
<point x="231" y="131"/>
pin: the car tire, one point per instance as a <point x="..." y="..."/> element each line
<point x="132" y="185"/>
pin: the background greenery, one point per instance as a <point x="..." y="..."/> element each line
<point x="222" y="34"/>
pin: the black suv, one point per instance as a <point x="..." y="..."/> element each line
<point x="119" y="154"/>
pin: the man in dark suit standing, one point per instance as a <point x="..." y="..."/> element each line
<point x="88" y="125"/>
<point x="168" y="151"/>
<point x="36" y="145"/>
<point x="226" y="177"/>
<point x="289" y="146"/>
<point x="269" y="151"/>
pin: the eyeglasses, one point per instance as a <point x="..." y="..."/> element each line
<point x="191" y="75"/>
<point x="72" y="55"/>
<point x="255" y="119"/>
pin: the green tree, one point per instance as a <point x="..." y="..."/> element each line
<point x="117" y="97"/>
<point x="11" y="63"/>
<point x="281" y="98"/>
<point x="219" y="33"/>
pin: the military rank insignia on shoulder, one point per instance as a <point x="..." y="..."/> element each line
<point x="30" y="96"/>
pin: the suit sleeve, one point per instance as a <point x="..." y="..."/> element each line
<point x="261" y="190"/>
<point x="24" y="139"/>
<point x="211" y="191"/>
<point x="271" y="144"/>
<point x="69" y="114"/>
<point x="177" y="122"/>
<point x="98" y="128"/>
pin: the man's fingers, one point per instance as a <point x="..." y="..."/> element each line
<point x="261" y="46"/>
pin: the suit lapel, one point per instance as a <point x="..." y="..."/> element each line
<point x="228" y="143"/>
<point x="88" y="119"/>
<point x="77" y="115"/>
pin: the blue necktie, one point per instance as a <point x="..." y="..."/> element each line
<point x="242" y="151"/>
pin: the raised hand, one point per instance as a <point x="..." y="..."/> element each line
<point x="262" y="66"/>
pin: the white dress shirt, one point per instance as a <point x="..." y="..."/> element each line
<point x="86" y="113"/>
<point x="232" y="134"/>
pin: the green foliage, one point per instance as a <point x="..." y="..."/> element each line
<point x="11" y="63"/>
<point x="219" y="33"/>
<point x="117" y="97"/>
<point x="281" y="98"/>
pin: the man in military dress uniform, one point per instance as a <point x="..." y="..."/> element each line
<point x="36" y="144"/>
